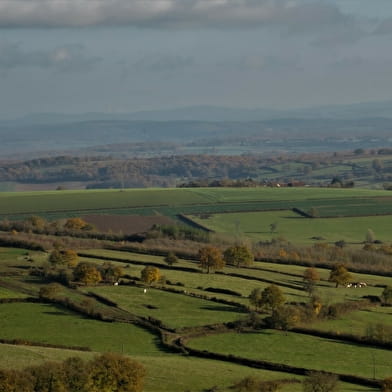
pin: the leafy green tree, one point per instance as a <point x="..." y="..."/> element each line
<point x="238" y="255"/>
<point x="64" y="257"/>
<point x="272" y="297"/>
<point x="255" y="298"/>
<point x="339" y="275"/>
<point x="110" y="272"/>
<point x="285" y="317"/>
<point x="171" y="258"/>
<point x="48" y="377"/>
<point x="387" y="295"/>
<point x="75" y="374"/>
<point x="113" y="372"/>
<point x="87" y="273"/>
<point x="150" y="274"/>
<point x="210" y="258"/>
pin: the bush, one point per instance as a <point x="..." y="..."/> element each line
<point x="320" y="382"/>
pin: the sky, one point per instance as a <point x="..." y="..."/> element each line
<point x="76" y="56"/>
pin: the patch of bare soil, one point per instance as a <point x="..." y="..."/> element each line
<point x="126" y="224"/>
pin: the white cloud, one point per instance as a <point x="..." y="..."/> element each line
<point x="298" y="15"/>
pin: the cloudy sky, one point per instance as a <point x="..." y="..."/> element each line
<point x="74" y="56"/>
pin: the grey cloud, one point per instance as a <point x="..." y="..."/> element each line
<point x="69" y="58"/>
<point x="298" y="15"/>
<point x="258" y="62"/>
<point x="384" y="28"/>
<point x="341" y="35"/>
<point x="162" y="62"/>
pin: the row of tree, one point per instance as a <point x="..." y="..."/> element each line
<point x="105" y="373"/>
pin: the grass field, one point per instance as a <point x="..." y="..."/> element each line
<point x="50" y="324"/>
<point x="357" y="322"/>
<point x="297" y="229"/>
<point x="301" y="350"/>
<point x="278" y="274"/>
<point x="173" y="309"/>
<point x="195" y="200"/>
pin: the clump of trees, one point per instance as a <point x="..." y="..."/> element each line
<point x="107" y="372"/>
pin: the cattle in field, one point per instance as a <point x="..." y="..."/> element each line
<point x="356" y="284"/>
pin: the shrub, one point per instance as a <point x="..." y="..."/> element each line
<point x="150" y="274"/>
<point x="320" y="382"/>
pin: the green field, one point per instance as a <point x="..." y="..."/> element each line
<point x="297" y="229"/>
<point x="174" y="310"/>
<point x="278" y="274"/>
<point x="302" y="351"/>
<point x="196" y="200"/>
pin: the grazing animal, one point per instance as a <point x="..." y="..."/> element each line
<point x="145" y="291"/>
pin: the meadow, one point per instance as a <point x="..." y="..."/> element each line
<point x="299" y="350"/>
<point x="297" y="229"/>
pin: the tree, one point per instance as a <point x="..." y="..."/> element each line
<point x="238" y="255"/>
<point x="113" y="372"/>
<point x="150" y="274"/>
<point x="171" y="258"/>
<point x="285" y="317"/>
<point x="387" y="295"/>
<point x="63" y="257"/>
<point x="49" y="291"/>
<point x="339" y="275"/>
<point x="320" y="382"/>
<point x="77" y="224"/>
<point x="254" y="384"/>
<point x="87" y="273"/>
<point x="273" y="227"/>
<point x="255" y="298"/>
<point x="210" y="258"/>
<point x="76" y="374"/>
<point x="310" y="277"/>
<point x="387" y="385"/>
<point x="370" y="237"/>
<point x="110" y="272"/>
<point x="270" y="298"/>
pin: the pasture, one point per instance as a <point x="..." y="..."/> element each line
<point x="301" y="350"/>
<point x="297" y="229"/>
<point x="192" y="201"/>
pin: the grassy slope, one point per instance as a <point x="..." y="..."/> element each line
<point x="301" y="350"/>
<point x="36" y="202"/>
<point x="296" y="229"/>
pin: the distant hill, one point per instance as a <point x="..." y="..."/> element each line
<point x="217" y="113"/>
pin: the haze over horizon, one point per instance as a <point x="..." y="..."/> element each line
<point x="125" y="56"/>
